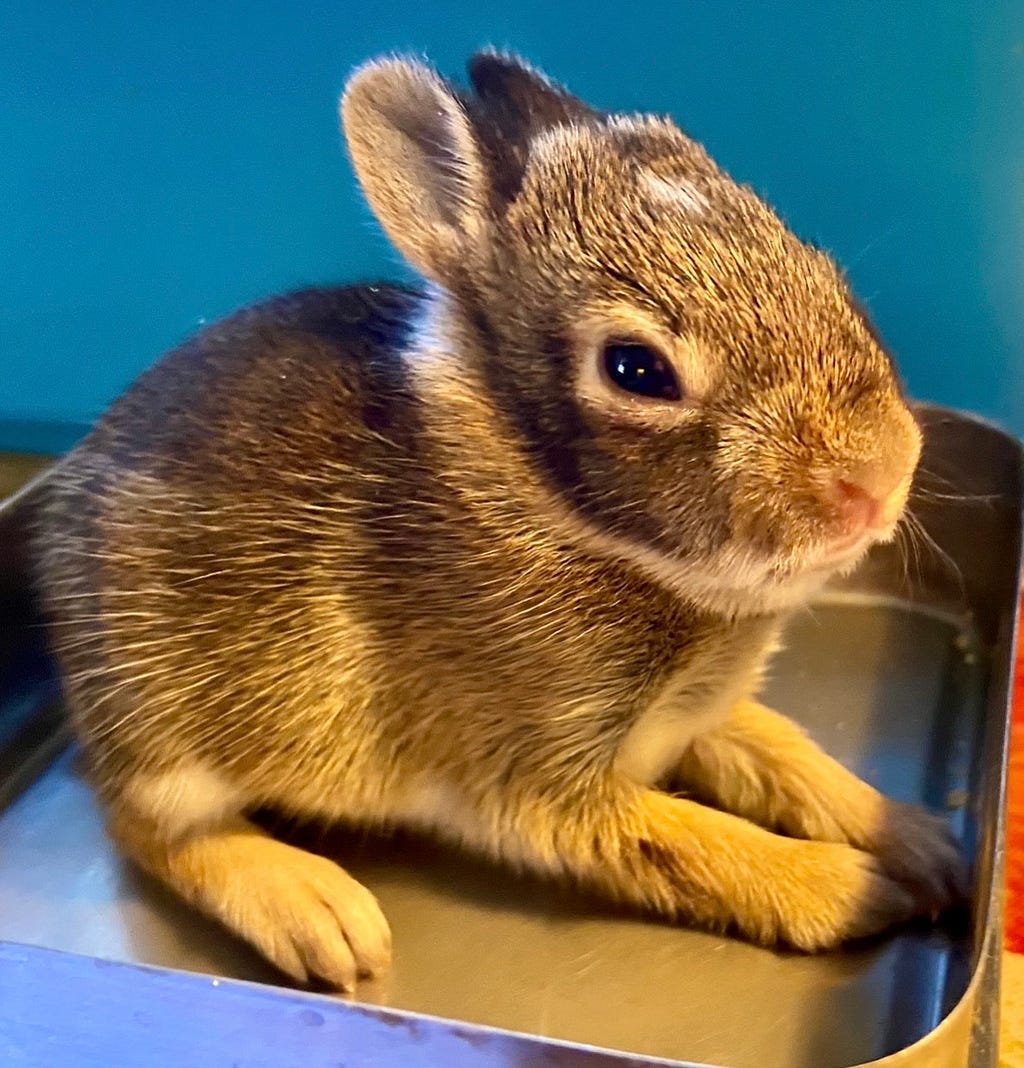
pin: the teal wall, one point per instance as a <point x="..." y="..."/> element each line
<point x="162" y="163"/>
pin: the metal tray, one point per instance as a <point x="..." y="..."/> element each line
<point x="903" y="671"/>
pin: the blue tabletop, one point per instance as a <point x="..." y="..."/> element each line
<point x="163" y="163"/>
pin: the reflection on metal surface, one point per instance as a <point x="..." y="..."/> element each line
<point x="909" y="686"/>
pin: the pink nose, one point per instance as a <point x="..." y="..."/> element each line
<point x="856" y="509"/>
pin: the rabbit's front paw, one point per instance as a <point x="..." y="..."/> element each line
<point x="822" y="894"/>
<point x="916" y="848"/>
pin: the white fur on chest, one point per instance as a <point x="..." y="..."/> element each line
<point x="697" y="697"/>
<point x="663" y="732"/>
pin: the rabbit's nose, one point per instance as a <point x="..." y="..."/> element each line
<point x="856" y="509"/>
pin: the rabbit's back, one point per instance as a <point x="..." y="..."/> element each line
<point x="193" y="550"/>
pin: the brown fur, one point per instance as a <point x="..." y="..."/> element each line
<point x="400" y="558"/>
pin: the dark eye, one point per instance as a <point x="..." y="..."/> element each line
<point x="640" y="369"/>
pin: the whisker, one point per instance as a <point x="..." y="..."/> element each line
<point x="929" y="482"/>
<point x="926" y="493"/>
<point x="904" y="553"/>
<point x="925" y="540"/>
<point x="913" y="543"/>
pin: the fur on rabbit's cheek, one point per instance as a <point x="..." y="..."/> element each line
<point x="730" y="580"/>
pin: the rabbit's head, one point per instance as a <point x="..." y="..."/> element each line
<point x="695" y="386"/>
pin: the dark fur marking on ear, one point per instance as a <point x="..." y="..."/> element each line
<point x="511" y="105"/>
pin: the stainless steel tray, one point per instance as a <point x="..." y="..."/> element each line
<point x="903" y="671"/>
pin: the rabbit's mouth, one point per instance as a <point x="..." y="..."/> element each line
<point x="841" y="554"/>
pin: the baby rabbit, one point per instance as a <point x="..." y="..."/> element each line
<point x="503" y="558"/>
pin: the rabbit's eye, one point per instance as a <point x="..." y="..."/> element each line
<point x="639" y="369"/>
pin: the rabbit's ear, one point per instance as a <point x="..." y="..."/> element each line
<point x="526" y="100"/>
<point x="513" y="103"/>
<point x="418" y="161"/>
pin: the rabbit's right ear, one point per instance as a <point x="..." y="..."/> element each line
<point x="417" y="160"/>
